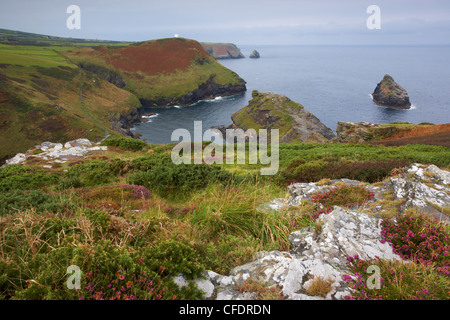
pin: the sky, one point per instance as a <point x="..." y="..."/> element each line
<point x="243" y="22"/>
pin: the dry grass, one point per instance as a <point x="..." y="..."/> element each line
<point x="261" y="289"/>
<point x="319" y="287"/>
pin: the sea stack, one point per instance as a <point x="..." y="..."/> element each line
<point x="254" y="55"/>
<point x="390" y="94"/>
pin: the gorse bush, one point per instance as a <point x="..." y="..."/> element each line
<point x="17" y="177"/>
<point x="14" y="201"/>
<point x="94" y="173"/>
<point x="173" y="180"/>
<point x="125" y="143"/>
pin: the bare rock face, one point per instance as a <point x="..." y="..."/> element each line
<point x="390" y="94"/>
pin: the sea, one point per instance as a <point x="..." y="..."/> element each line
<point x="335" y="83"/>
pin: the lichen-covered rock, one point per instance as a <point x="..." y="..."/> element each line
<point x="390" y="94"/>
<point x="317" y="254"/>
<point x="57" y="152"/>
<point x="423" y="187"/>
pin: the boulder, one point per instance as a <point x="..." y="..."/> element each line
<point x="390" y="94"/>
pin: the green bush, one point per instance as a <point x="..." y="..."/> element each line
<point x="14" y="201"/>
<point x="93" y="173"/>
<point x="148" y="162"/>
<point x="171" y="179"/>
<point x="125" y="143"/>
<point x="17" y="177"/>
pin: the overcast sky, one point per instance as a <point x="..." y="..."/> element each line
<point x="302" y="22"/>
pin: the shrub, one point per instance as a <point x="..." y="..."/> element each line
<point x="14" y="201"/>
<point x="367" y="171"/>
<point x="171" y="257"/>
<point x="17" y="177"/>
<point x="419" y="238"/>
<point x="148" y="162"/>
<point x="95" y="172"/>
<point x="170" y="180"/>
<point x="398" y="281"/>
<point x="125" y="143"/>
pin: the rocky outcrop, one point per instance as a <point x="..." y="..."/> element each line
<point x="254" y="55"/>
<point x="322" y="251"/>
<point x="423" y="187"/>
<point x="51" y="153"/>
<point x="274" y="111"/>
<point x="223" y="50"/>
<point x="390" y="94"/>
<point x="343" y="234"/>
<point x="302" y="191"/>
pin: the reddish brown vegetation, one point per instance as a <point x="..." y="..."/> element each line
<point x="155" y="57"/>
<point x="426" y="134"/>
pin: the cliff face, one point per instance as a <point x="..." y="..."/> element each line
<point x="273" y="111"/>
<point x="223" y="50"/>
<point x="390" y="94"/>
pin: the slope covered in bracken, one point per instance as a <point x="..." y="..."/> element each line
<point x="424" y="134"/>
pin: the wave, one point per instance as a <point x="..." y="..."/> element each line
<point x="413" y="107"/>
<point x="151" y="116"/>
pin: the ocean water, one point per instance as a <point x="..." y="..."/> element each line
<point x="334" y="83"/>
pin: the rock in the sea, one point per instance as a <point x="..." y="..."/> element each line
<point x="390" y="94"/>
<point x="254" y="55"/>
<point x="274" y="111"/>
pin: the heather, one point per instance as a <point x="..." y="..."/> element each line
<point x="131" y="220"/>
<point x="398" y="281"/>
<point x="419" y="238"/>
<point x="424" y="244"/>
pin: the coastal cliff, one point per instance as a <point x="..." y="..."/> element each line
<point x="223" y="50"/>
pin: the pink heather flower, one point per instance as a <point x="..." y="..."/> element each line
<point x="346" y="277"/>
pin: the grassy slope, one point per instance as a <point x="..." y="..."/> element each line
<point x="158" y="69"/>
<point x="46" y="97"/>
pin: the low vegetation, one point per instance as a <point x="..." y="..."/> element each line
<point x="131" y="220"/>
